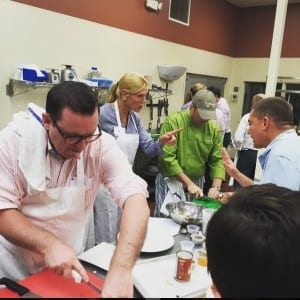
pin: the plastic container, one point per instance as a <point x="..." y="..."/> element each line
<point x="94" y="73"/>
<point x="191" y="228"/>
<point x="31" y="75"/>
<point x="198" y="238"/>
<point x="187" y="245"/>
<point x="201" y="257"/>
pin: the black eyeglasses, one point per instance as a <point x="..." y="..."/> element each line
<point x="76" y="139"/>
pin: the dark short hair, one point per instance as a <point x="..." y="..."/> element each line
<point x="276" y="108"/>
<point x="253" y="243"/>
<point x="77" y="96"/>
<point x="215" y="90"/>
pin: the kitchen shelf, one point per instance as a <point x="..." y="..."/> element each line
<point x="16" y="87"/>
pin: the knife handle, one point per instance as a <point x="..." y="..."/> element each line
<point x="14" y="286"/>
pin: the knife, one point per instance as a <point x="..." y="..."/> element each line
<point x="22" y="291"/>
<point x="78" y="279"/>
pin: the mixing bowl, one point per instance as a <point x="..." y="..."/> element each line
<point x="184" y="212"/>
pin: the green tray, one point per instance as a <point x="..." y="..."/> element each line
<point x="208" y="202"/>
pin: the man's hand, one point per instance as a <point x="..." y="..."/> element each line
<point x="195" y="190"/>
<point x="62" y="260"/>
<point x="228" y="163"/>
<point x="169" y="138"/>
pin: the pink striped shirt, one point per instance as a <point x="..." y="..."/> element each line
<point x="104" y="162"/>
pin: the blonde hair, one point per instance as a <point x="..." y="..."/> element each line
<point x="130" y="83"/>
<point x="194" y="89"/>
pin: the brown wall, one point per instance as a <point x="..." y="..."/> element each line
<point x="215" y="25"/>
<point x="255" y="31"/>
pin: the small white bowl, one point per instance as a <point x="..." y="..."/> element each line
<point x="198" y="238"/>
<point x="191" y="228"/>
<point x="187" y="245"/>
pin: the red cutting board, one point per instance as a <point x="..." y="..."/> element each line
<point x="48" y="284"/>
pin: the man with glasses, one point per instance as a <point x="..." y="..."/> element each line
<point x="50" y="169"/>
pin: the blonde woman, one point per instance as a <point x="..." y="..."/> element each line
<point x="119" y="117"/>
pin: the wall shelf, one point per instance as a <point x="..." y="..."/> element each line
<point x="16" y="87"/>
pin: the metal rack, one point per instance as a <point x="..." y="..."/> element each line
<point x="162" y="104"/>
<point x="16" y="87"/>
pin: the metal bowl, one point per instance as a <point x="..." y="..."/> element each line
<point x="184" y="212"/>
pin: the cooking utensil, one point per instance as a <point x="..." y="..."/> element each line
<point x="184" y="212"/>
<point x="22" y="291"/>
<point x="78" y="279"/>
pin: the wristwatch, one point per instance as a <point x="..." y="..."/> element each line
<point x="217" y="187"/>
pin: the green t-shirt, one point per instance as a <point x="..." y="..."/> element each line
<point x="195" y="146"/>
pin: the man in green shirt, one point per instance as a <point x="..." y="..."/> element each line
<point x="182" y="166"/>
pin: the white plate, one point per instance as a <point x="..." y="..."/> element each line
<point x="157" y="241"/>
<point x="159" y="236"/>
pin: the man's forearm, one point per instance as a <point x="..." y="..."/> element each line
<point x="133" y="230"/>
<point x="182" y="177"/>
<point x="242" y="179"/>
<point x="16" y="228"/>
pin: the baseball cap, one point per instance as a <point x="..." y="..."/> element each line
<point x="205" y="101"/>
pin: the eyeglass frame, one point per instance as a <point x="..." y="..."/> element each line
<point x="79" y="137"/>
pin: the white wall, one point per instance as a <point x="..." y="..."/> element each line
<point x="30" y="35"/>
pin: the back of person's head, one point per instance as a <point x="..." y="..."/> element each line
<point x="193" y="90"/>
<point x="253" y="243"/>
<point x="130" y="83"/>
<point x="276" y="108"/>
<point x="77" y="96"/>
<point x="216" y="91"/>
<point x="256" y="98"/>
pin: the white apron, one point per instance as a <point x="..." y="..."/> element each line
<point x="107" y="214"/>
<point x="129" y="143"/>
<point x="60" y="210"/>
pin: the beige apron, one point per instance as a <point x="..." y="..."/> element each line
<point x="60" y="210"/>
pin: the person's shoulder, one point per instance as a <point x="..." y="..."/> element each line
<point x="245" y="117"/>
<point x="178" y="114"/>
<point x="186" y="105"/>
<point x="106" y="107"/>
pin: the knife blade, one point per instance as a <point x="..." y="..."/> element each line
<point x="21" y="290"/>
<point x="78" y="279"/>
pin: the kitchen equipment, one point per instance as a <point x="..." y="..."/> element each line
<point x="184" y="212"/>
<point x="68" y="74"/>
<point x="22" y="291"/>
<point x="53" y="76"/>
<point x="48" y="284"/>
<point x="78" y="279"/>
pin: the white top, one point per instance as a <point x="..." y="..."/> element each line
<point x="242" y="139"/>
<point x="224" y="107"/>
